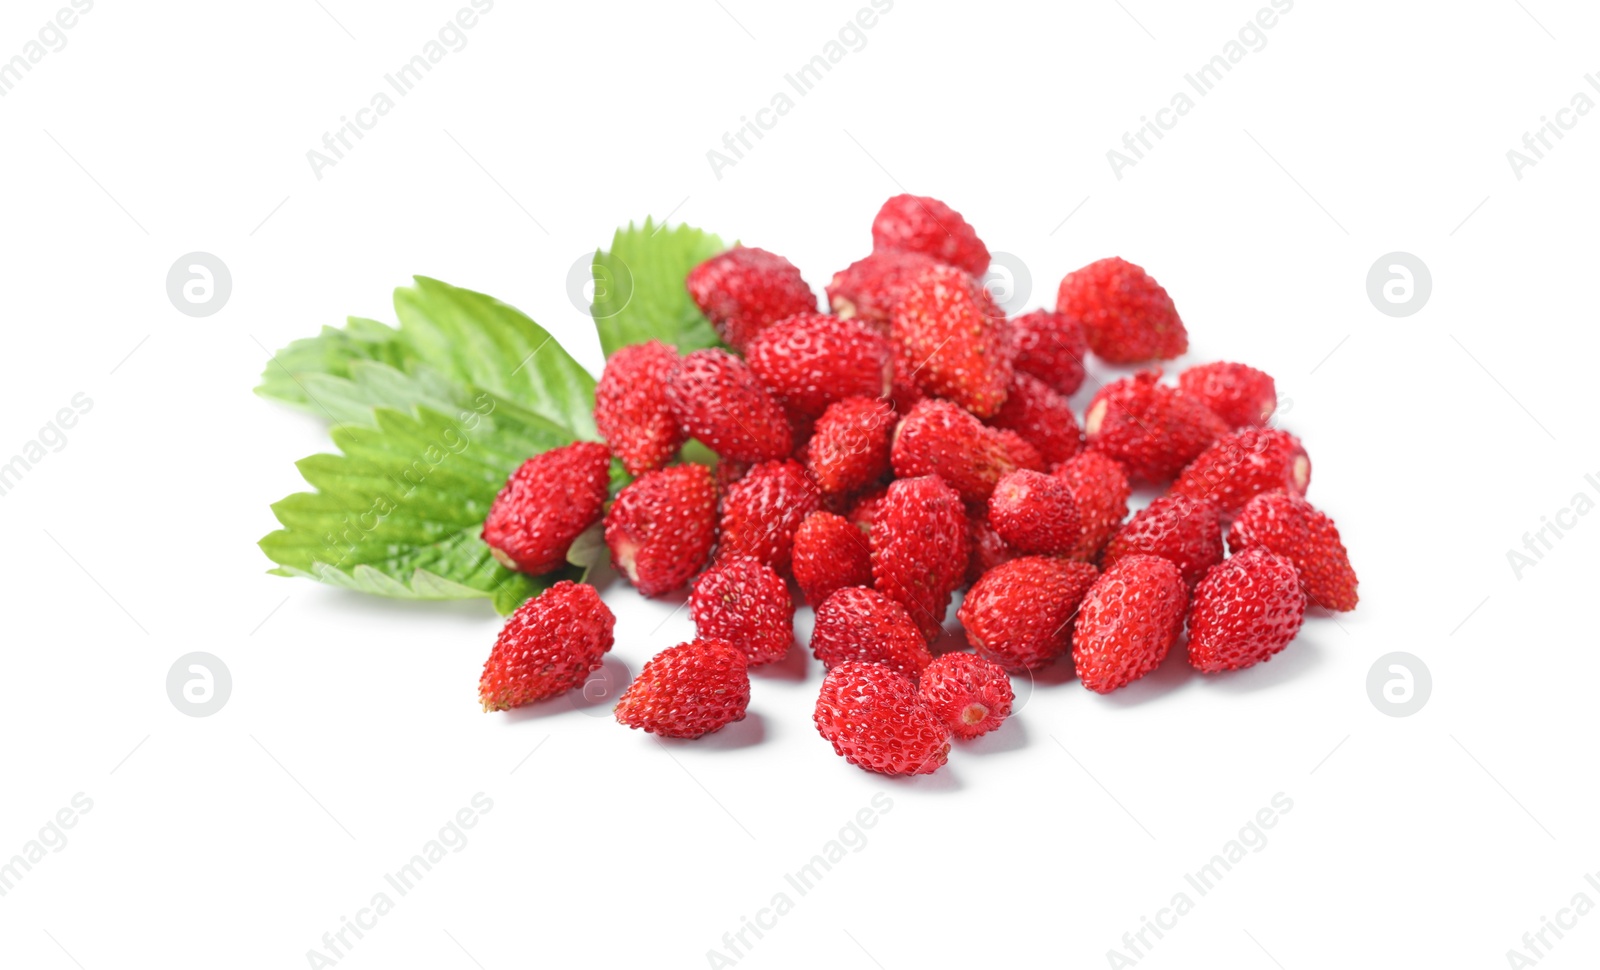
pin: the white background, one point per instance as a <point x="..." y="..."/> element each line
<point x="353" y="732"/>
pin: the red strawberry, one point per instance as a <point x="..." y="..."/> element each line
<point x="903" y="390"/>
<point x="745" y="290"/>
<point x="1051" y="347"/>
<point x="985" y="548"/>
<point x="810" y="360"/>
<point x="938" y="438"/>
<point x="868" y="289"/>
<point x="946" y="329"/>
<point x="926" y="225"/>
<point x="829" y="554"/>
<point x="762" y="511"/>
<point x="856" y="623"/>
<point x="1245" y="610"/>
<point x="1289" y="526"/>
<point x="849" y="450"/>
<point x="1042" y="417"/>
<point x="746" y="603"/>
<point x="919" y="549"/>
<point x="864" y="514"/>
<point x="1035" y="513"/>
<point x="1126" y="316"/>
<point x="1239" y="395"/>
<point x="688" y="690"/>
<point x="547" y="647"/>
<point x="718" y="401"/>
<point x="661" y="528"/>
<point x="969" y="694"/>
<point x="873" y="717"/>
<point x="1130" y="618"/>
<point x="545" y="505"/>
<point x="1100" y="491"/>
<point x="1151" y="428"/>
<point x="631" y="407"/>
<point x="1020" y="613"/>
<point x="1021" y="453"/>
<point x="1242" y="464"/>
<point x="1177" y="528"/>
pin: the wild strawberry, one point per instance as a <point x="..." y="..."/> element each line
<point x="762" y="511"/>
<point x="956" y="348"/>
<point x="849" y="449"/>
<point x="718" y="401"/>
<point x="810" y="360"/>
<point x="969" y="694"/>
<point x="1177" y="528"/>
<point x="829" y="554"/>
<point x="1021" y="453"/>
<point x="1050" y="346"/>
<point x="856" y="623"/>
<point x="868" y="289"/>
<point x="985" y="548"/>
<point x="1289" y="526"/>
<point x="904" y="393"/>
<point x="1020" y="613"/>
<point x="745" y="290"/>
<point x="547" y="647"/>
<point x="864" y="513"/>
<point x="1100" y="492"/>
<point x="1126" y="316"/>
<point x="1241" y="396"/>
<point x="1244" y="611"/>
<point x="1242" y="464"/>
<point x="926" y="225"/>
<point x="873" y="717"/>
<point x="688" y="690"/>
<point x="631" y="407"/>
<point x="919" y="549"/>
<point x="1130" y="618"/>
<point x="545" y="504"/>
<point x="1035" y="513"/>
<point x="1153" y="429"/>
<point x="746" y="603"/>
<point x="1042" y="417"/>
<point x="938" y="438"/>
<point x="661" y="528"/>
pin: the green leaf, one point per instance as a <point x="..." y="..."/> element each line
<point x="332" y="353"/>
<point x="399" y="511"/>
<point x="639" y="292"/>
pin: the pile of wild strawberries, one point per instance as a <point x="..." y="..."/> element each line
<point x="911" y="443"/>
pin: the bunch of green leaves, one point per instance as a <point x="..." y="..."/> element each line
<point x="430" y="418"/>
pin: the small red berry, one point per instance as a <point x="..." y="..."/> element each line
<point x="1126" y="316"/>
<point x="1035" y="513"/>
<point x="1042" y="417"/>
<point x="1100" y="491"/>
<point x="873" y="717"/>
<point x="1244" y="611"/>
<point x="925" y="225"/>
<point x="1239" y="395"/>
<point x="985" y="548"/>
<point x="1051" y="347"/>
<point x="810" y="360"/>
<point x="688" y="691"/>
<point x="1289" y="526"/>
<point x="745" y="290"/>
<point x="868" y="289"/>
<point x="856" y="623"/>
<point x="631" y="407"/>
<point x="919" y="549"/>
<point x="762" y="511"/>
<point x="719" y="402"/>
<point x="661" y="528"/>
<point x="938" y="438"/>
<point x="971" y="695"/>
<point x="1020" y="613"/>
<point x="830" y="554"/>
<point x="545" y="504"/>
<point x="849" y="450"/>
<point x="1153" y="429"/>
<point x="1129" y="620"/>
<point x="956" y="346"/>
<point x="745" y="603"/>
<point x="547" y="647"/>
<point x="1175" y="527"/>
<point x="1242" y="464"/>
